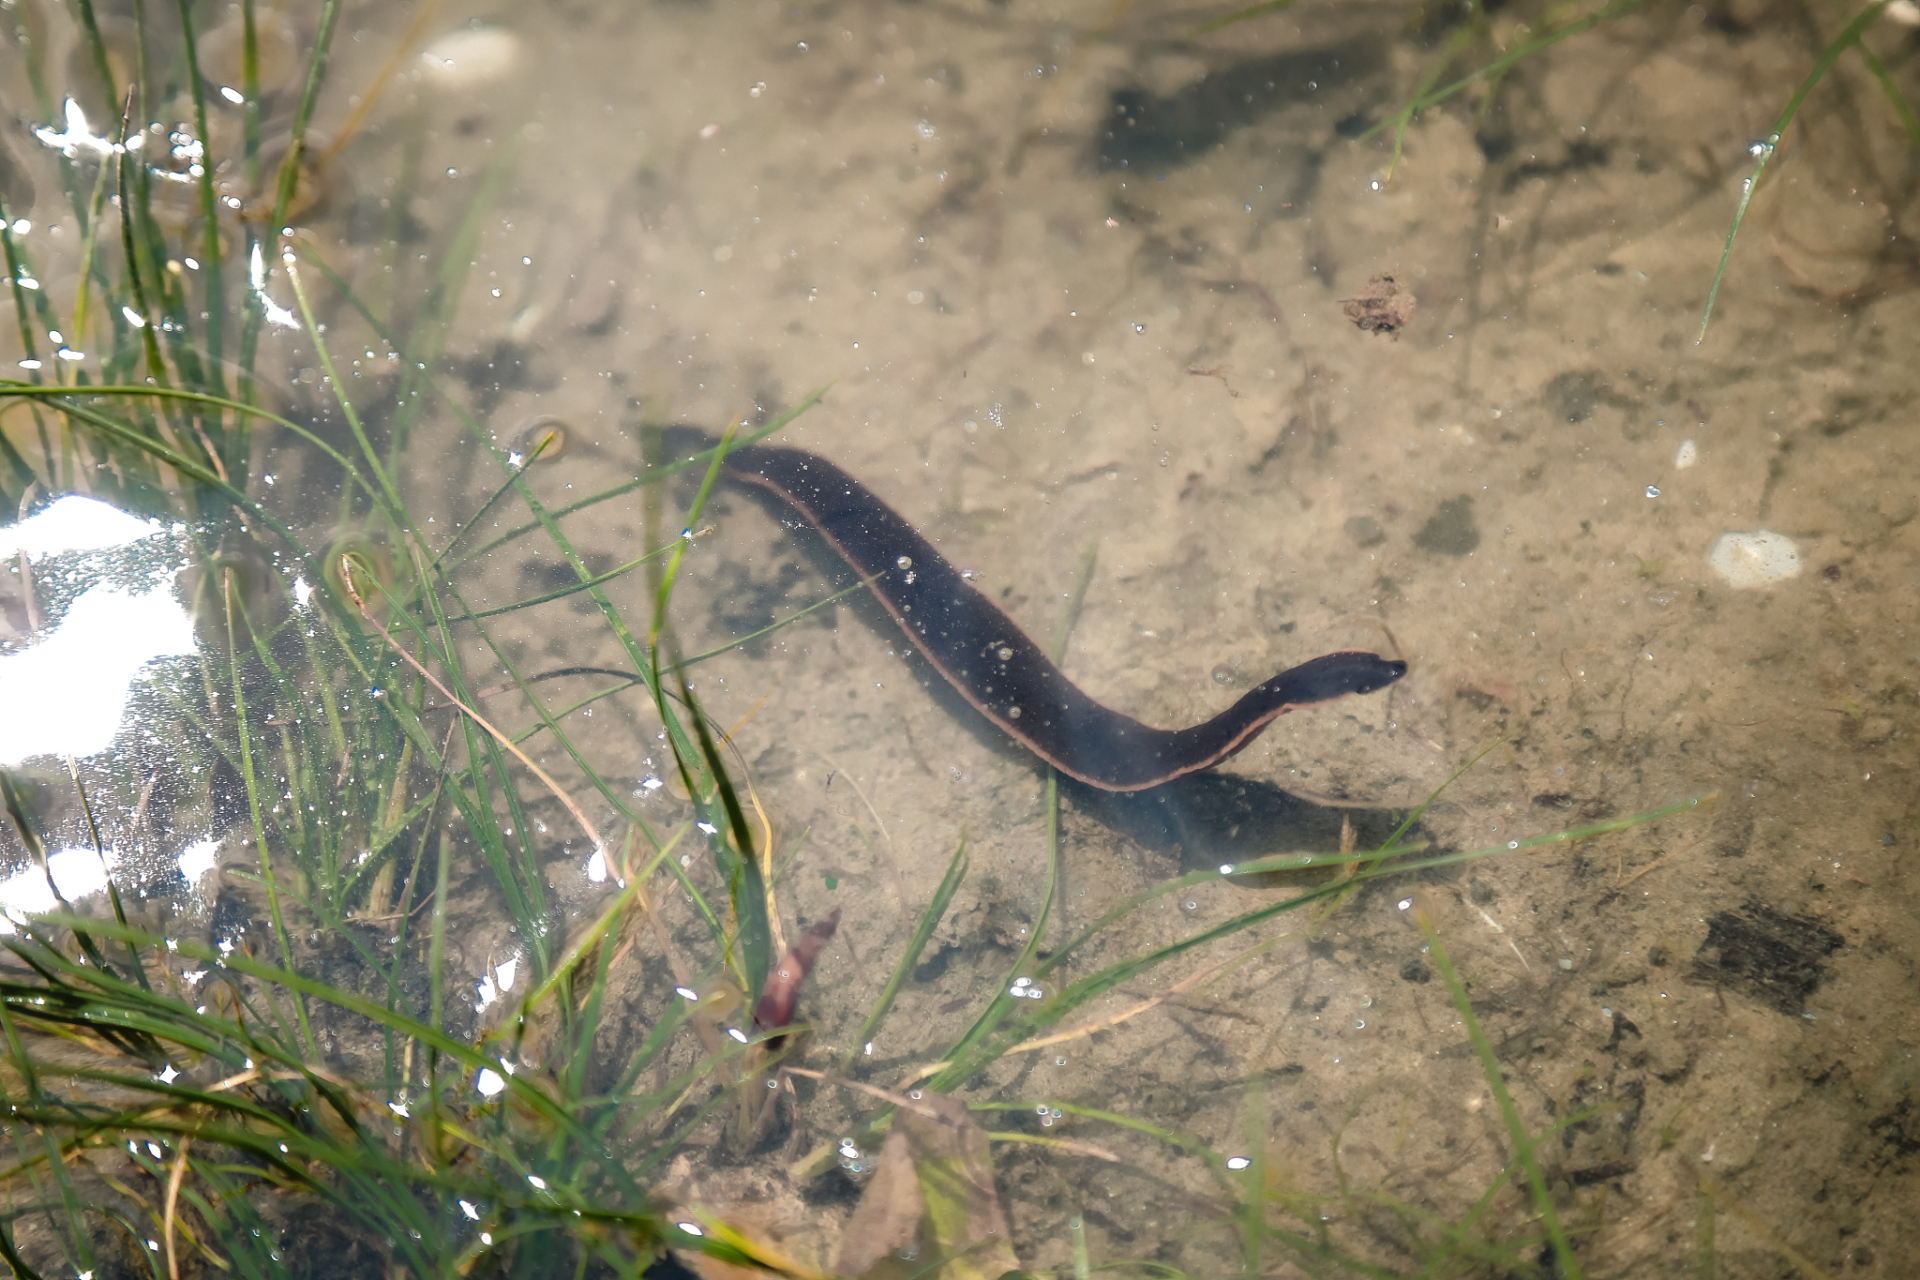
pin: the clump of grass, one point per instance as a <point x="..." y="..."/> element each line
<point x="171" y="1091"/>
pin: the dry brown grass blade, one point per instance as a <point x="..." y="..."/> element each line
<point x="546" y="780"/>
<point x="382" y="78"/>
<point x="173" y="1200"/>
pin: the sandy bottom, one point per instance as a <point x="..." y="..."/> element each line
<point x="1077" y="283"/>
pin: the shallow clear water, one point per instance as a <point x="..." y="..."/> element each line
<point x="1052" y="321"/>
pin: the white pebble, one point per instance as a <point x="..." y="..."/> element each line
<point x="1754" y="559"/>
<point x="1686" y="455"/>
<point x="470" y="56"/>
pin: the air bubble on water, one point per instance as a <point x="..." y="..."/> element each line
<point x="1359" y="1023"/>
<point x="904" y="562"/>
<point x="1513" y="844"/>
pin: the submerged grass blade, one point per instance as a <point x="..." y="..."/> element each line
<point x="1239" y="15"/>
<point x="1764" y="151"/>
<point x="1523" y="1143"/>
<point x="922" y="933"/>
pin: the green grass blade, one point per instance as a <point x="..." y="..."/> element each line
<point x="212" y="286"/>
<point x="1239" y="15"/>
<point x="1902" y="109"/>
<point x="1506" y="60"/>
<point x="650" y="476"/>
<point x="1764" y="151"/>
<point x="922" y="934"/>
<point x="1523" y="1144"/>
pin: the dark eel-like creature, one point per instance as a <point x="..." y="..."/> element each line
<point x="991" y="662"/>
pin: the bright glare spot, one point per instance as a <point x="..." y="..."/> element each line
<point x="168" y="1075"/>
<point x="737" y="1034"/>
<point x="537" y="1182"/>
<point x="1238" y="1162"/>
<point x="691" y="1228"/>
<point x="687" y="993"/>
<point x="75" y="523"/>
<point x="302" y="592"/>
<point x="21" y="226"/>
<point x="197" y="859"/>
<point x="489" y="1082"/>
<point x="257" y="277"/>
<point x="134" y="318"/>
<point x="505" y="974"/>
<point x="68" y="694"/>
<point x="29" y="364"/>
<point x="467" y="1208"/>
<point x="232" y="94"/>
<point x="597" y="867"/>
<point x="77" y="137"/>
<point x="707" y="827"/>
<point x="398" y="1108"/>
<point x="486" y="1237"/>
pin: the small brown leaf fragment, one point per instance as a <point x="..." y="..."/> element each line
<point x="1383" y="305"/>
<point x="887" y="1218"/>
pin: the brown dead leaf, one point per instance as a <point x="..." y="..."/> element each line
<point x="933" y="1196"/>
